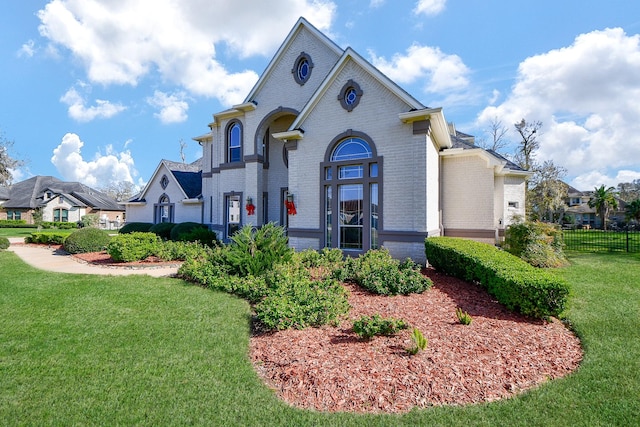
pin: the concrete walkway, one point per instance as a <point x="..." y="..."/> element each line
<point x="50" y="259"/>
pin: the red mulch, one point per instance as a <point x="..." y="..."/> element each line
<point x="500" y="354"/>
<point x="104" y="259"/>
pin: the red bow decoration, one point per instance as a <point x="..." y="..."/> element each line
<point x="251" y="209"/>
<point x="291" y="207"/>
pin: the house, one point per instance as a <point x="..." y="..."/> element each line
<point x="578" y="213"/>
<point x="329" y="147"/>
<point x="173" y="194"/>
<point x="58" y="201"/>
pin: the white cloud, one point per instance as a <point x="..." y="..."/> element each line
<point x="80" y="112"/>
<point x="173" y="108"/>
<point x="442" y="72"/>
<point x="27" y="49"/>
<point x="122" y="42"/>
<point x="586" y="96"/>
<point x="112" y="167"/>
<point x="374" y="4"/>
<point x="429" y="7"/>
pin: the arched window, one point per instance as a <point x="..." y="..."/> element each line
<point x="351" y="179"/>
<point x="234" y="142"/>
<point x="163" y="211"/>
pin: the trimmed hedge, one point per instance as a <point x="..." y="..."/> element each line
<point x="135" y="246"/>
<point x="84" y="240"/>
<point x="135" y="227"/>
<point x="47" y="238"/>
<point x="513" y="282"/>
<point x="184" y="228"/>
<point x="162" y="229"/>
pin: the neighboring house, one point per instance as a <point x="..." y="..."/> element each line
<point x="578" y="212"/>
<point x="331" y="148"/>
<point x="173" y="194"/>
<point x="58" y="201"/>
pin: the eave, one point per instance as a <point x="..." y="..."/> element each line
<point x="439" y="127"/>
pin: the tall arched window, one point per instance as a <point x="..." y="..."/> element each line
<point x="163" y="211"/>
<point x="351" y="179"/>
<point x="234" y="142"/>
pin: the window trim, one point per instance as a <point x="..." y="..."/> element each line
<point x="296" y="68"/>
<point x="228" y="156"/>
<point x="349" y="86"/>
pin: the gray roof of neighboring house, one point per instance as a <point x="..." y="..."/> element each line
<point x="458" y="141"/>
<point x="4" y="193"/>
<point x="28" y="194"/>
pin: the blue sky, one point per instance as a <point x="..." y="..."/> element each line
<point x="100" y="91"/>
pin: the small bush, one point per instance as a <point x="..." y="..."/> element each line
<point x="366" y="327"/>
<point x="162" y="229"/>
<point x="135" y="227"/>
<point x="254" y="251"/>
<point x="172" y="251"/>
<point x="199" y="234"/>
<point x="419" y="342"/>
<point x="59" y="225"/>
<point x="47" y="238"/>
<point x="463" y="317"/>
<point x="379" y="273"/>
<point x="513" y="282"/>
<point x="538" y="243"/>
<point x="85" y="240"/>
<point x="184" y="228"/>
<point x="134" y="246"/>
<point x="4" y="243"/>
<point x="89" y="220"/>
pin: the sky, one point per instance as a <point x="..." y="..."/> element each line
<point x="99" y="91"/>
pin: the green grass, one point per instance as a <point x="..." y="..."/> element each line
<point x="16" y="232"/>
<point x="88" y="350"/>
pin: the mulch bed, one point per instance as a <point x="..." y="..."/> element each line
<point x="104" y="259"/>
<point x="499" y="355"/>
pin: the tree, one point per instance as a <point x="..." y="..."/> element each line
<point x="497" y="132"/>
<point x="525" y="153"/>
<point x="603" y="201"/>
<point x="183" y="145"/>
<point x="120" y="191"/>
<point x="632" y="210"/>
<point x="547" y="193"/>
<point x="7" y="162"/>
<point x="629" y="191"/>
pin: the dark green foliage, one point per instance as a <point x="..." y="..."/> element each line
<point x="4" y="243"/>
<point x="254" y="251"/>
<point x="199" y="234"/>
<point x="135" y="227"/>
<point x="171" y="251"/>
<point x="379" y="273"/>
<point x="513" y="282"/>
<point x="301" y="302"/>
<point x="185" y="228"/>
<point x="87" y="239"/>
<point x="327" y="257"/>
<point x="366" y="327"/>
<point x="538" y="243"/>
<point x="47" y="238"/>
<point x="162" y="229"/>
<point x="59" y="225"/>
<point x="134" y="246"/>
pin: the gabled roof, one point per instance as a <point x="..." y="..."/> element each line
<point x="297" y="28"/>
<point x="188" y="176"/>
<point x="28" y="194"/>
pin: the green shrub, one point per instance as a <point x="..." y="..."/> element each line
<point x="134" y="246"/>
<point x="162" y="229"/>
<point x="254" y="251"/>
<point x="171" y="251"/>
<point x="301" y="303"/>
<point x="419" y="342"/>
<point x="538" y="243"/>
<point x="366" y="327"/>
<point x="463" y="317"/>
<point x="184" y="228"/>
<point x="4" y="243"/>
<point x="12" y="222"/>
<point x="87" y="239"/>
<point x="47" y="238"/>
<point x="59" y="225"/>
<point x="379" y="273"/>
<point x="206" y="268"/>
<point x="89" y="220"/>
<point x="135" y="227"/>
<point x="199" y="234"/>
<point x="513" y="282"/>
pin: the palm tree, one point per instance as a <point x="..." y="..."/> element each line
<point x="603" y="200"/>
<point x="633" y="210"/>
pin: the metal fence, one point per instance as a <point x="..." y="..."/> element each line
<point x="627" y="240"/>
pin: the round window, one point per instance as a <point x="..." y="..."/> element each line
<point x="350" y="95"/>
<point x="302" y="68"/>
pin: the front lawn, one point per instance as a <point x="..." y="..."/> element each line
<point x="136" y="350"/>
